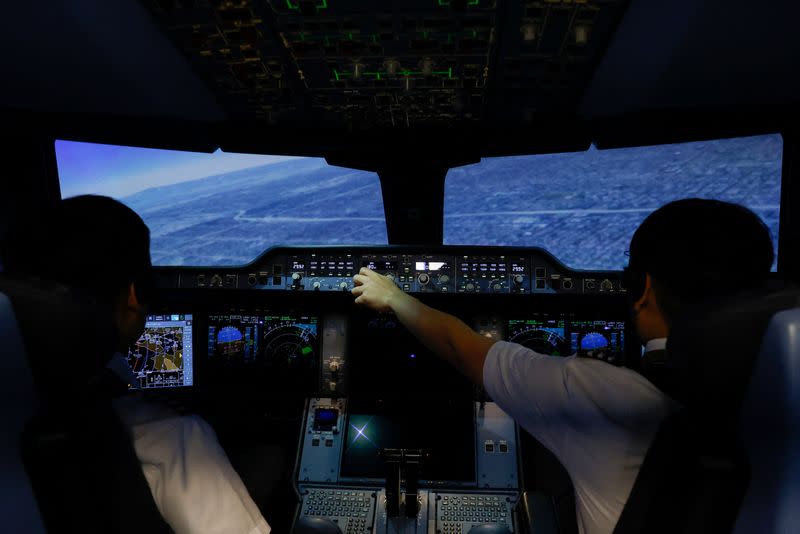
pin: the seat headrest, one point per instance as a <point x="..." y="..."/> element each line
<point x="68" y="335"/>
<point x="715" y="345"/>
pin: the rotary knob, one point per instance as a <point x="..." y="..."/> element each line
<point x="343" y="286"/>
<point x="316" y="286"/>
<point x="334" y="366"/>
<point x="444" y="279"/>
<point x="518" y="279"/>
<point x="470" y="287"/>
<point x="390" y="276"/>
<point x="423" y="279"/>
<point x="497" y="287"/>
<point x="296" y="277"/>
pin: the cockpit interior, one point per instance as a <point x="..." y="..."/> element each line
<point x="492" y="158"/>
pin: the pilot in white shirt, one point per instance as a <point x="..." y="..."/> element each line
<point x="597" y="419"/>
<point x="192" y="481"/>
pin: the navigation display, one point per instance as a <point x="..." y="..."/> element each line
<point x="162" y="356"/>
<point x="290" y="340"/>
<point x="443" y="429"/>
<point x="545" y="335"/>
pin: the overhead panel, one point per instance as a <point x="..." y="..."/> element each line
<point x="367" y="65"/>
<point x="415" y="65"/>
<point x="550" y="49"/>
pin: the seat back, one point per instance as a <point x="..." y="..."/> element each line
<point x="696" y="472"/>
<point x="18" y="402"/>
<point x="770" y="429"/>
<point x="80" y="460"/>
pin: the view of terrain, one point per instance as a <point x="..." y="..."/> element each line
<point x="582" y="207"/>
<point x="231" y="218"/>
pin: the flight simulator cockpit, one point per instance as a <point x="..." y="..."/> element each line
<point x="492" y="158"/>
<point x="392" y="439"/>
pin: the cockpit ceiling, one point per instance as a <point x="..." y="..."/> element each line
<point x="419" y="63"/>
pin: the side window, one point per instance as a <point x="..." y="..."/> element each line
<point x="584" y="207"/>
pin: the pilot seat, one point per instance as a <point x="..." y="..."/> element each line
<point x="726" y="461"/>
<point x="79" y="459"/>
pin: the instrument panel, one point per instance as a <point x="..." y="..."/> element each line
<point x="380" y="408"/>
<point x="447" y="269"/>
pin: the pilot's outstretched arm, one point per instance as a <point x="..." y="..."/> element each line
<point x="444" y="334"/>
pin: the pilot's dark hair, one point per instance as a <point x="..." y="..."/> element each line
<point x="695" y="249"/>
<point x="90" y="242"/>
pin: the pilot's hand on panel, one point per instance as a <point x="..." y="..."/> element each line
<point x="375" y="291"/>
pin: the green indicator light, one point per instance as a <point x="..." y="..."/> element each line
<point x="424" y="35"/>
<point x="336" y="73"/>
<point x="450" y="72"/>
<point x="378" y="75"/>
<point x="375" y="38"/>
<point x="306" y="350"/>
<point x="323" y="5"/>
<point x="473" y="2"/>
<point x="350" y="35"/>
<point x="302" y="36"/>
<point x="474" y="34"/>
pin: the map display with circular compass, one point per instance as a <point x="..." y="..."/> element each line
<point x="545" y="336"/>
<point x="290" y="340"/>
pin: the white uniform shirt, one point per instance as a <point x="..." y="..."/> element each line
<point x="598" y="420"/>
<point x="192" y="481"/>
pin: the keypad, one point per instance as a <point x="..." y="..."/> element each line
<point x="457" y="514"/>
<point x="352" y="510"/>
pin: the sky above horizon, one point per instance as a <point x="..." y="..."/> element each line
<point x="121" y="171"/>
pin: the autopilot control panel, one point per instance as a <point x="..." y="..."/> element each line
<point x="446" y="269"/>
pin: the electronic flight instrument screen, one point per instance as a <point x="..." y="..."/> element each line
<point x="443" y="429"/>
<point x="235" y="338"/>
<point x="162" y="356"/>
<point x="279" y="349"/>
<point x="556" y="335"/>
